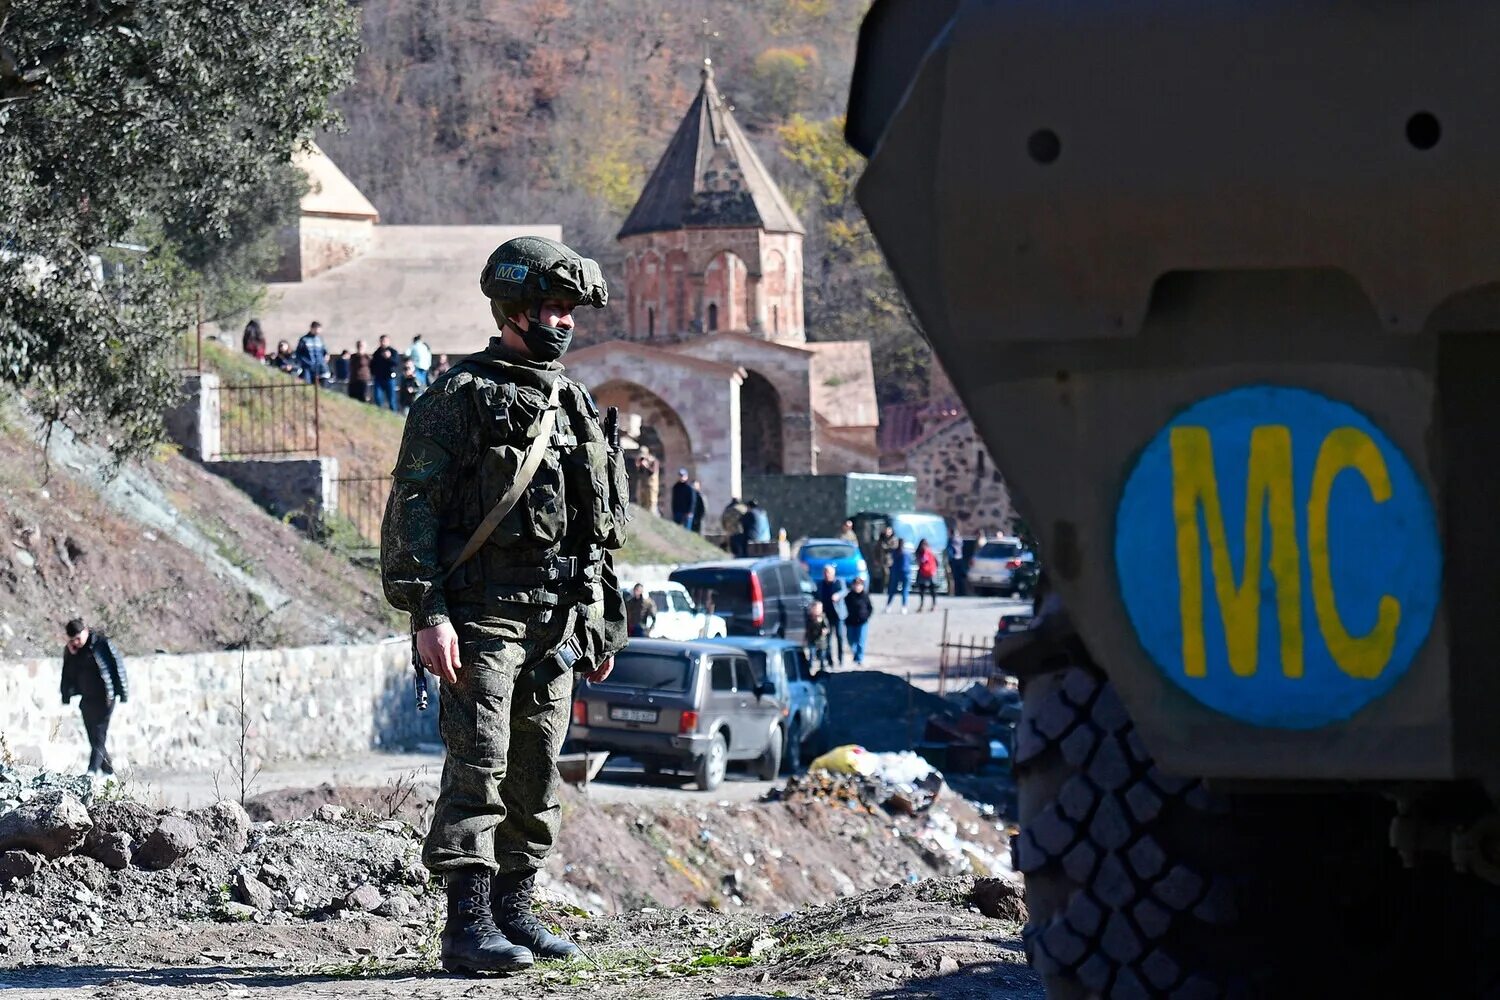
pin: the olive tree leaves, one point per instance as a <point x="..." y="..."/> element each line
<point x="144" y="169"/>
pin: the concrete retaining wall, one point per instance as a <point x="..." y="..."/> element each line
<point x="184" y="710"/>
<point x="285" y="485"/>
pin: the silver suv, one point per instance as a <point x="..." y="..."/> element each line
<point x="683" y="706"/>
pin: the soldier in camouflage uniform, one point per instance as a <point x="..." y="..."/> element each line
<point x="506" y="629"/>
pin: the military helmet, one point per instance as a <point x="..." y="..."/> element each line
<point x="528" y="270"/>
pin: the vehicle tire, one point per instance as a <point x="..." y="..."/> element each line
<point x="768" y="764"/>
<point x="1140" y="883"/>
<point x="709" y="773"/>
<point x="1122" y="899"/>
<point x="791" y="758"/>
<point x="652" y="769"/>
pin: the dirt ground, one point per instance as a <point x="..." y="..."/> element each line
<point x="910" y="941"/>
<point x="721" y="899"/>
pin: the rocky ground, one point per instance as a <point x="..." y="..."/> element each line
<point x="315" y="898"/>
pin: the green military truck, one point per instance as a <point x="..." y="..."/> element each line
<point x="1235" y="269"/>
<point x="809" y="506"/>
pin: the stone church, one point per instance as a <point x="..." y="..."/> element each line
<point x="713" y="371"/>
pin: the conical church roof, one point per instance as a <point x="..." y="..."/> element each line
<point x="710" y="177"/>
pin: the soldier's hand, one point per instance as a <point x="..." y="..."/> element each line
<point x="437" y="645"/>
<point x="598" y="674"/>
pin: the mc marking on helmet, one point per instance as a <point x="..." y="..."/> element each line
<point x="1325" y="598"/>
<point x="511" y="272"/>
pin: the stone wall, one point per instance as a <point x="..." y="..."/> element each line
<point x="957" y="478"/>
<point x="285" y="485"/>
<point x="671" y="279"/>
<point x="183" y="711"/>
<point x="318" y="243"/>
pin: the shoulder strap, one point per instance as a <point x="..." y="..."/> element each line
<point x="507" y="502"/>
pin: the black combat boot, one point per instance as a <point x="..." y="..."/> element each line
<point x="471" y="942"/>
<point x="512" y="896"/>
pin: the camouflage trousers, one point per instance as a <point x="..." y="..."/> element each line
<point x="503" y="725"/>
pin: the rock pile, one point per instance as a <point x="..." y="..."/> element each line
<point x="72" y="869"/>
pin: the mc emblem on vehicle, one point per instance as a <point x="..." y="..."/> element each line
<point x="1278" y="556"/>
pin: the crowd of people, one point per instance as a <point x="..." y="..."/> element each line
<point x="384" y="377"/>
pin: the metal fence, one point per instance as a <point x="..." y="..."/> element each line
<point x="965" y="659"/>
<point x="362" y="504"/>
<point x="189" y="350"/>
<point x="271" y="420"/>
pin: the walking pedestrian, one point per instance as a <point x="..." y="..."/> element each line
<point x="816" y="637"/>
<point x="830" y="594"/>
<point x="899" y="573"/>
<point x="94" y="672"/>
<point x="648" y="481"/>
<point x="700" y="507"/>
<point x="312" y="354"/>
<point x="359" y="373"/>
<point x="857" y="612"/>
<point x="384" y="373"/>
<point x="682" y="500"/>
<point x="927" y="567"/>
<point x="421" y="358"/>
<point x="508" y="631"/>
<point x="640" y="613"/>
<point x="253" y="342"/>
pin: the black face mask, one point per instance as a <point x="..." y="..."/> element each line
<point x="546" y="343"/>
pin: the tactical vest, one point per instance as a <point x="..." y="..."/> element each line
<point x="550" y="548"/>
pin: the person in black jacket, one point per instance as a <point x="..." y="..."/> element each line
<point x="700" y="508"/>
<point x="682" y="500"/>
<point x="857" y="611"/>
<point x="93" y="670"/>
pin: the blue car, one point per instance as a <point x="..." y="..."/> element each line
<point x="786" y="666"/>
<point x="844" y="557"/>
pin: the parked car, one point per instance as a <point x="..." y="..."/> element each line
<point x="677" y="617"/>
<point x="845" y="558"/>
<point x="691" y="706"/>
<point x="999" y="566"/>
<point x="786" y="665"/>
<point x="761" y="595"/>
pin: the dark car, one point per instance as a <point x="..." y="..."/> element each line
<point x="684" y="706"/>
<point x="763" y="595"/>
<point x="786" y="666"/>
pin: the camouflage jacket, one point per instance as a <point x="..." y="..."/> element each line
<point x="465" y="440"/>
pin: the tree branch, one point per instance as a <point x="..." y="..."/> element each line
<point x="18" y="83"/>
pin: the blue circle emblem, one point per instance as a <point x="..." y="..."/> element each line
<point x="1278" y="557"/>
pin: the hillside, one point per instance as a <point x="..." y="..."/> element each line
<point x="168" y="556"/>
<point x="469" y="112"/>
<point x="165" y="555"/>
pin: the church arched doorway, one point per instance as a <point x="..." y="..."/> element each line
<point x="647" y="420"/>
<point x="761" y="448"/>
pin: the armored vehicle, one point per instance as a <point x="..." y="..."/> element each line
<point x="1238" y="264"/>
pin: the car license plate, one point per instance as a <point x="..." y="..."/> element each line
<point x="632" y="714"/>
